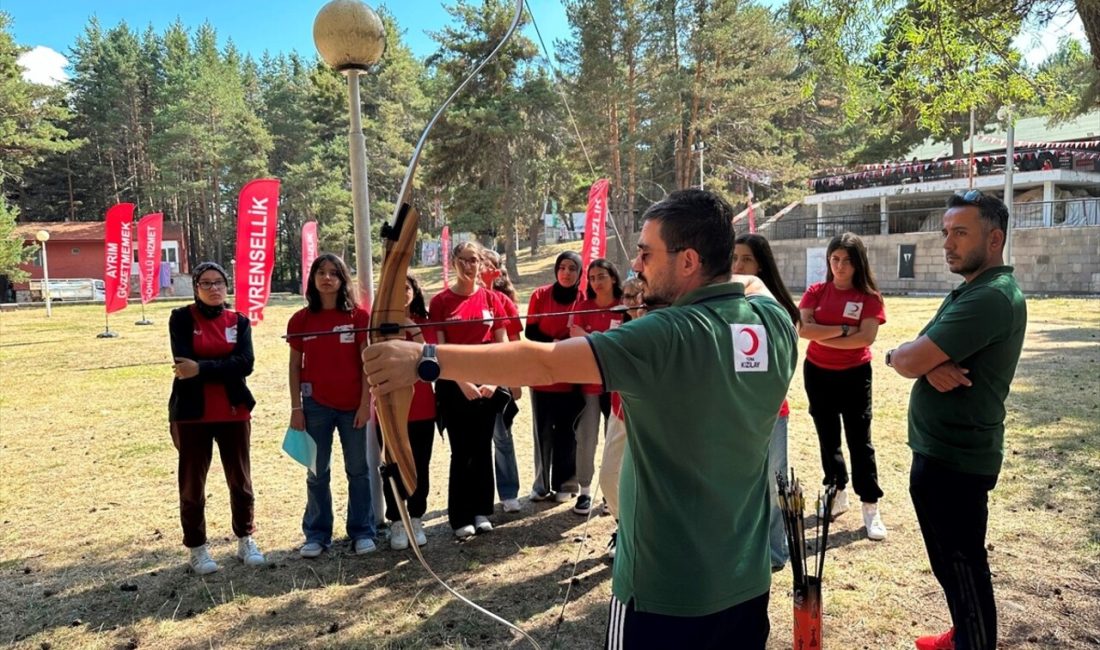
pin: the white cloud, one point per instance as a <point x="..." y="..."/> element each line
<point x="42" y="65"/>
<point x="1038" y="44"/>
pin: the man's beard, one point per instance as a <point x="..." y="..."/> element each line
<point x="971" y="262"/>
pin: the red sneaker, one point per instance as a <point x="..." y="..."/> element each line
<point x="945" y="641"/>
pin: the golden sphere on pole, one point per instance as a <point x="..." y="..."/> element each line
<point x="349" y="35"/>
<point x="42" y="235"/>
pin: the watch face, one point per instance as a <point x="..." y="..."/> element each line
<point x="427" y="370"/>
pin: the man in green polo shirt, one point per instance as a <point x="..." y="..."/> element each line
<point x="701" y="382"/>
<point x="963" y="361"/>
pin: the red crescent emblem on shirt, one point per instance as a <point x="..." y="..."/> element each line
<point x="754" y="339"/>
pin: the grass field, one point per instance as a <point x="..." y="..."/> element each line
<point x="91" y="555"/>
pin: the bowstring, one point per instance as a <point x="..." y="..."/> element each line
<point x="576" y="130"/>
<point x="394" y="327"/>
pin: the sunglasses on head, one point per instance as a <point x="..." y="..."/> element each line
<point x="971" y="196"/>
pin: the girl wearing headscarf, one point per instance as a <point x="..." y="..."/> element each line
<point x="328" y="394"/>
<point x="556" y="407"/>
<point x="210" y="402"/>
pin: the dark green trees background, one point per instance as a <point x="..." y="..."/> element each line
<point x="178" y="121"/>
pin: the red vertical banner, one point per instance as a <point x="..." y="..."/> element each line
<point x="595" y="228"/>
<point x="752" y="217"/>
<point x="118" y="255"/>
<point x="445" y="254"/>
<point x="150" y="232"/>
<point x="257" y="217"/>
<point x="309" y="251"/>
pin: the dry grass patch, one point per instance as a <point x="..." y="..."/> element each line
<point x="91" y="554"/>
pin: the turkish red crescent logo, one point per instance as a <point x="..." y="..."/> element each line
<point x="755" y="341"/>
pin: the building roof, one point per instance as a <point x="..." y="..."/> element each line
<point x="1028" y="129"/>
<point x="83" y="230"/>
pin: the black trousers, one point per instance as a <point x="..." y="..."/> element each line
<point x="952" y="509"/>
<point x="744" y="626"/>
<point x="555" y="416"/>
<point x="844" y="395"/>
<point x="469" y="425"/>
<point x="421" y="438"/>
<point x="195" y="443"/>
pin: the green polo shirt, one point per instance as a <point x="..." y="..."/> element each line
<point x="701" y="384"/>
<point x="980" y="326"/>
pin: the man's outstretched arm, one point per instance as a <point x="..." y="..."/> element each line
<point x="392" y="365"/>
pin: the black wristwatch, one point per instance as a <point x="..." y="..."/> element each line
<point x="844" y="329"/>
<point x="427" y="369"/>
<point x="889" y="358"/>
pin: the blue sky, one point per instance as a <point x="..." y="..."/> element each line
<point x="52" y="26"/>
<point x="254" y="26"/>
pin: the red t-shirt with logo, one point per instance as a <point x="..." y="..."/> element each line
<point x="596" y="321"/>
<point x="556" y="327"/>
<point x="832" y="306"/>
<point x="214" y="338"/>
<point x="332" y="367"/>
<point x="477" y="309"/>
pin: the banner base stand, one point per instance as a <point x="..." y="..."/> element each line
<point x="143" y="321"/>
<point x="107" y="335"/>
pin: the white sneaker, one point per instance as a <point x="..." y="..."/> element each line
<point x="540" y="496"/>
<point x="464" y="532"/>
<point x="418" y="532"/>
<point x="510" y="505"/>
<point x="201" y="562"/>
<point x="563" y="497"/>
<point x="840" y="505"/>
<point x="876" y="530"/>
<point x="482" y="524"/>
<point x="248" y="552"/>
<point x="311" y="549"/>
<point x="399" y="539"/>
<point x="365" y="545"/>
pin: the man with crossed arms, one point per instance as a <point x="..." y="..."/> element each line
<point x="964" y="361"/>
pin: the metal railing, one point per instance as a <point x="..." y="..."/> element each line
<point x="1074" y="212"/>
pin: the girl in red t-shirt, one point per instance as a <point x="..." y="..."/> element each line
<point x="210" y="402"/>
<point x="328" y="393"/>
<point x="421" y="428"/>
<point x="494" y="276"/>
<point x="752" y="255"/>
<point x="840" y="318"/>
<point x="604" y="292"/>
<point x="468" y="410"/>
<point x="555" y="407"/>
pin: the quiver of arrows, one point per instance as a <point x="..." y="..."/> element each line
<point x="807" y="568"/>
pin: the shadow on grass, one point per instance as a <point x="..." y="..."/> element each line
<point x="1056" y="399"/>
<point x="110" y="595"/>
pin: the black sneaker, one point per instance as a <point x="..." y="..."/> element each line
<point x="583" y="506"/>
<point x="611" y="545"/>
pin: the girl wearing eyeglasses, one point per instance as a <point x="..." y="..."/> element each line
<point x="210" y="402"/>
<point x="603" y="293"/>
<point x="468" y="411"/>
<point x="328" y="394"/>
<point x="840" y="318"/>
<point x="752" y="255"/>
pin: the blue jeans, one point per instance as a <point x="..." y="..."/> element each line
<point x="777" y="464"/>
<point x="321" y="421"/>
<point x="504" y="460"/>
